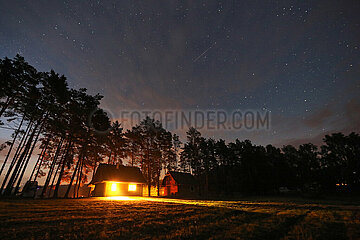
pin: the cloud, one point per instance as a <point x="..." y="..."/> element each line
<point x="352" y="112"/>
<point x="346" y="123"/>
<point x="316" y="140"/>
<point x="319" y="118"/>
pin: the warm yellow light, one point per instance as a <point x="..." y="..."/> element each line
<point x="113" y="187"/>
<point x="132" y="187"/>
<point x="119" y="198"/>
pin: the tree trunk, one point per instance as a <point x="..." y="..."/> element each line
<point x="36" y="164"/>
<point x="158" y="184"/>
<point x="132" y="159"/>
<point x="20" y="162"/>
<point x="28" y="159"/>
<point x="81" y="173"/>
<point x="63" y="163"/>
<point x="51" y="168"/>
<point x="72" y="179"/>
<point x="149" y="171"/>
<point x="52" y="183"/>
<point x="109" y="161"/>
<point x="12" y="145"/>
<point x="8" y="101"/>
<point x="18" y="150"/>
<point x="94" y="170"/>
<point x="77" y="180"/>
<point x="17" y="176"/>
<point x="39" y="160"/>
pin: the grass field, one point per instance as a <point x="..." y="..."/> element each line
<point x="152" y="218"/>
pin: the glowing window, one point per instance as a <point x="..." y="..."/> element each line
<point x="132" y="187"/>
<point x="113" y="187"/>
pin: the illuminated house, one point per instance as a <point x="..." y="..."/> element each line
<point x="117" y="180"/>
<point x="179" y="184"/>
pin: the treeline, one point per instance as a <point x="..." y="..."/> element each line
<point x="242" y="167"/>
<point x="68" y="134"/>
<point x="46" y="115"/>
<point x="71" y="132"/>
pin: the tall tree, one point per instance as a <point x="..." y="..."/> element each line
<point x="190" y="156"/>
<point x="154" y="145"/>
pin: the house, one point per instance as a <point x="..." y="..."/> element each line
<point x="117" y="180"/>
<point x="179" y="184"/>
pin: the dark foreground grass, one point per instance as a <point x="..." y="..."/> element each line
<point x="145" y="218"/>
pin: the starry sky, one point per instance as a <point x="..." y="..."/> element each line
<point x="298" y="59"/>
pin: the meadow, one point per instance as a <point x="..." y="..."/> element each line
<point x="158" y="218"/>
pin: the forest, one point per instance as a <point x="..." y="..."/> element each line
<point x="68" y="134"/>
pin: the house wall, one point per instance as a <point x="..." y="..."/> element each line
<point x="99" y="190"/>
<point x="171" y="188"/>
<point x="105" y="190"/>
<point x="188" y="190"/>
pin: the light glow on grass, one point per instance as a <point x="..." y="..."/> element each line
<point x="120" y="198"/>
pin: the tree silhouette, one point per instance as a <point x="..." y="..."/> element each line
<point x="72" y="135"/>
<point x="154" y="148"/>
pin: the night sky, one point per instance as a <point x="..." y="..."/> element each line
<point x="300" y="60"/>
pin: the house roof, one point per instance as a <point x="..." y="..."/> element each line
<point x="107" y="172"/>
<point x="183" y="178"/>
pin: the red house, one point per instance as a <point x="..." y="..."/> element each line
<point x="179" y="184"/>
